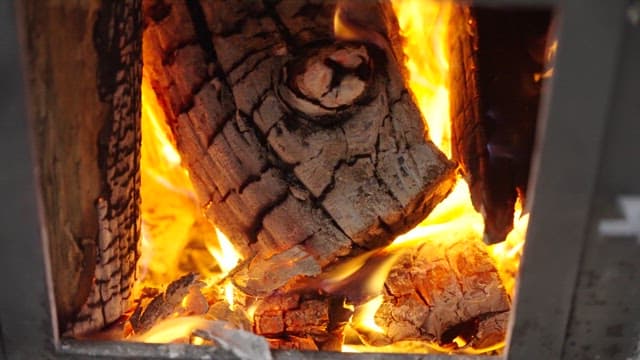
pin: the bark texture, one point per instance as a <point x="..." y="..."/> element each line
<point x="468" y="135"/>
<point x="295" y="141"/>
<point x="84" y="60"/>
<point x="493" y="135"/>
<point x="441" y="291"/>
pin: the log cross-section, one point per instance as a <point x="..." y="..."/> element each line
<point x="299" y="145"/>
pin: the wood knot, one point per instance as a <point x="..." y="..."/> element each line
<point x="327" y="82"/>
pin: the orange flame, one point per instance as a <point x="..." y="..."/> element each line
<point x="171" y="217"/>
<point x="171" y="330"/>
<point x="424" y="27"/>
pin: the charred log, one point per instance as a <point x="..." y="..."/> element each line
<point x="440" y="292"/>
<point x="153" y="309"/>
<point x="493" y="134"/>
<point x="88" y="141"/>
<point x="297" y="143"/>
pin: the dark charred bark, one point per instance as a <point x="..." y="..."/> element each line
<point x="297" y="143"/>
<point x="493" y="134"/>
<point x="85" y="65"/>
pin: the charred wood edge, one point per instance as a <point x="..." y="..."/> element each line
<point x="117" y="36"/>
<point x="469" y="137"/>
<point x="465" y="107"/>
<point x="163" y="304"/>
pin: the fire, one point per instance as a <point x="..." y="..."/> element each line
<point x="172" y="221"/>
<point x="168" y="207"/>
<point x="364" y="316"/>
<point x="426" y="22"/>
<point x="227" y="258"/>
<point x="172" y="218"/>
<point x="424" y="27"/>
<point x="172" y="330"/>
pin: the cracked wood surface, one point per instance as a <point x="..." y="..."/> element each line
<point x="297" y="143"/>
<point x="306" y="321"/>
<point x="85" y="69"/>
<point x="441" y="290"/>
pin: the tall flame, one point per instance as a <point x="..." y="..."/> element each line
<point x="173" y="226"/>
<point x="424" y="27"/>
<point x="168" y="204"/>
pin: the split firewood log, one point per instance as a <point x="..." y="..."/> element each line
<point x="440" y="291"/>
<point x="299" y="144"/>
<point x="84" y="61"/>
<point x="493" y="135"/>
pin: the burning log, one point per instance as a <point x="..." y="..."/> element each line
<point x="441" y="291"/>
<point x="85" y="72"/>
<point x="297" y="143"/>
<point x="493" y="138"/>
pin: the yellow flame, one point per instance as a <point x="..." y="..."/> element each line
<point x="168" y="208"/>
<point x="364" y="316"/>
<point x="226" y="255"/>
<point x="171" y="330"/>
<point x="506" y="255"/>
<point x="227" y="258"/>
<point x="171" y="216"/>
<point x="168" y="193"/>
<point x="424" y="27"/>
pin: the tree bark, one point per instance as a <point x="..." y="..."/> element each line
<point x="468" y="135"/>
<point x="295" y="141"/>
<point x="84" y="62"/>
<point x="442" y="290"/>
<point x="493" y="135"/>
